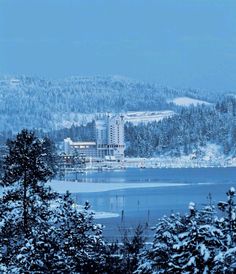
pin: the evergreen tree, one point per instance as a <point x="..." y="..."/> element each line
<point x="132" y="246"/>
<point x="80" y="239"/>
<point x="25" y="203"/>
<point x="198" y="242"/>
<point x="41" y="232"/>
<point x="225" y="261"/>
<point x="228" y="224"/>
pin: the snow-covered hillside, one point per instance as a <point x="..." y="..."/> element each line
<point x="137" y="117"/>
<point x="66" y="120"/>
<point x="187" y="101"/>
<point x="49" y="104"/>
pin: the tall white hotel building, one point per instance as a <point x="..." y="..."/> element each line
<point x="110" y="136"/>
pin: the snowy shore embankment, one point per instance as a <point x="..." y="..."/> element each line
<point x="209" y="156"/>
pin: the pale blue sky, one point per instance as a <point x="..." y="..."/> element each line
<point x="179" y="43"/>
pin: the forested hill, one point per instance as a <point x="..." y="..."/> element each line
<point x="30" y="102"/>
<point x="187" y="132"/>
<point x="192" y="131"/>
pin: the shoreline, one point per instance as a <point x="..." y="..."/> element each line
<point x="86" y="187"/>
<point x="216" y="161"/>
<point x="158" y="163"/>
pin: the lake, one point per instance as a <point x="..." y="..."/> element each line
<point x="144" y="205"/>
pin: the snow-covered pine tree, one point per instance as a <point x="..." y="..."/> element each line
<point x="41" y="232"/>
<point x="132" y="245"/>
<point x="81" y="241"/>
<point x="185" y="243"/>
<point x="24" y="205"/>
<point x="50" y="156"/>
<point x="157" y="259"/>
<point x="225" y="260"/>
<point x="195" y="248"/>
<point x="229" y="222"/>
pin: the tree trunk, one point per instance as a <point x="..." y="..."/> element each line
<point x="25" y="211"/>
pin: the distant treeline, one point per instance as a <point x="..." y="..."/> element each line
<point x="76" y="133"/>
<point x="191" y="128"/>
<point x="29" y="102"/>
<point x="185" y="132"/>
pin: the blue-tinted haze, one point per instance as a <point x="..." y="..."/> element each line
<point x="181" y="43"/>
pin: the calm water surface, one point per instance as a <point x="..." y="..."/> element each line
<point x="146" y="205"/>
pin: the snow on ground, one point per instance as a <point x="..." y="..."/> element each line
<point x="105" y="215"/>
<point x="209" y="156"/>
<point x="137" y="117"/>
<point x="66" y="120"/>
<point x="78" y="187"/>
<point x="187" y="101"/>
<point x="98" y="214"/>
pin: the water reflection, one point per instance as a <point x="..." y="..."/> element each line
<point x="146" y="205"/>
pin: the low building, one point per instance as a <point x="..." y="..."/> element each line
<point x="80" y="148"/>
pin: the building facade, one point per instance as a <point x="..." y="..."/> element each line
<point x="109" y="132"/>
<point x="110" y="136"/>
<point x="80" y="148"/>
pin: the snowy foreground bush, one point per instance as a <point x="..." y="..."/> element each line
<point x="200" y="242"/>
<point x="43" y="232"/>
